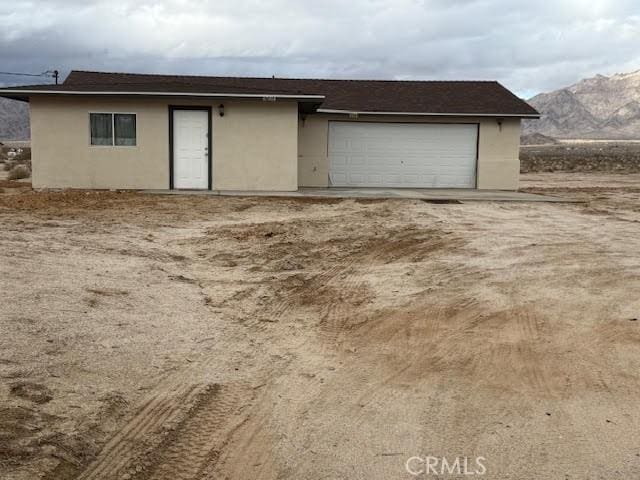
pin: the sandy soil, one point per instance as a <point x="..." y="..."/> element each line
<point x="150" y="337"/>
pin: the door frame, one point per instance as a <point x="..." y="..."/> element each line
<point x="173" y="108"/>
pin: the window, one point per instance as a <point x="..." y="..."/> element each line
<point x="124" y="128"/>
<point x="117" y="129"/>
<point x="101" y="129"/>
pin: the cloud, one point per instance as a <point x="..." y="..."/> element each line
<point x="529" y="46"/>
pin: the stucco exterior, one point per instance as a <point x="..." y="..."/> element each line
<point x="499" y="154"/>
<point x="254" y="145"/>
<point x="498" y="147"/>
<point x="62" y="156"/>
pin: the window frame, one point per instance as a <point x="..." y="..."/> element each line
<point x="113" y="128"/>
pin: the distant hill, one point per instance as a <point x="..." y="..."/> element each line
<point x="14" y="120"/>
<point x="537" y="139"/>
<point x="599" y="107"/>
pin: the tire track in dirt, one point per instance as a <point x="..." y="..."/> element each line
<point x="367" y="389"/>
<point x="518" y="357"/>
<point x="122" y="448"/>
<point x="258" y="463"/>
<point x="432" y="355"/>
<point x="487" y="366"/>
<point x="340" y="314"/>
<point x="181" y="428"/>
<point x="336" y="294"/>
<point x="342" y="287"/>
<point x="173" y="436"/>
<point x="195" y="444"/>
<point x="181" y="424"/>
<point x="203" y="414"/>
<point x="290" y="298"/>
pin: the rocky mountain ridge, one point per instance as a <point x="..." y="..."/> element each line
<point x="14" y="120"/>
<point x="599" y="107"/>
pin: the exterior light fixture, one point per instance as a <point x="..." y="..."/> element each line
<point x="221" y="110"/>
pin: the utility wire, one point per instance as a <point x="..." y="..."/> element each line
<point x="25" y="74"/>
<point x="48" y="73"/>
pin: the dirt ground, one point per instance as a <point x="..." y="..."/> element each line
<point x="155" y="337"/>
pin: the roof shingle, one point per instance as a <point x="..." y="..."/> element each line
<point x="419" y="97"/>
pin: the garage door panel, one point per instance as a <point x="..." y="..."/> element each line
<point x="340" y="178"/>
<point x="357" y="160"/>
<point x="402" y="154"/>
<point x="340" y="160"/>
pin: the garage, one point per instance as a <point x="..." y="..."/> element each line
<point x="417" y="155"/>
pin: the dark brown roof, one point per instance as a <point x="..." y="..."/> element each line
<point x="420" y="97"/>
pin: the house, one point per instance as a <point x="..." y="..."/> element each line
<point x="134" y="131"/>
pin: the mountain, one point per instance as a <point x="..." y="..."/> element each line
<point x="537" y="139"/>
<point x="598" y="107"/>
<point x="14" y="120"/>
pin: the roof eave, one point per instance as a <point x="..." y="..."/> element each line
<point x="20" y="98"/>
<point x="430" y="114"/>
<point x="23" y="93"/>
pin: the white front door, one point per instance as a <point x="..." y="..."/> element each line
<point x="190" y="149"/>
<point x="418" y="155"/>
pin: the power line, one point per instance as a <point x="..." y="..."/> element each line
<point x="48" y="73"/>
<point x="24" y="74"/>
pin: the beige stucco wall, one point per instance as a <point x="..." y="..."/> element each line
<point x="498" y="149"/>
<point x="254" y="144"/>
<point x="499" y="154"/>
<point x="62" y="156"/>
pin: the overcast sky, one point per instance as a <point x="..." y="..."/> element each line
<point x="528" y="46"/>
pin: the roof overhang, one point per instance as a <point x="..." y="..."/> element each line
<point x="427" y="114"/>
<point x="23" y="94"/>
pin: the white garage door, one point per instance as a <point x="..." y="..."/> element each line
<point x="402" y="155"/>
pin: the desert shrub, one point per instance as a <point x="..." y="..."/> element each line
<point x="23" y="157"/>
<point x="18" y="172"/>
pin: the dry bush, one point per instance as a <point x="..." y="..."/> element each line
<point x="18" y="172"/>
<point x="23" y="158"/>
